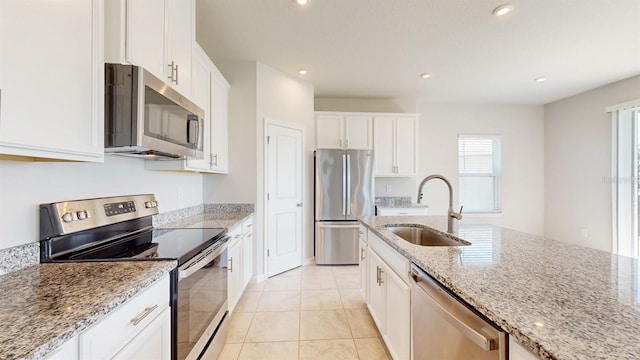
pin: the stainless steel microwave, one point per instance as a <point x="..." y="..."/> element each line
<point x="144" y="117"/>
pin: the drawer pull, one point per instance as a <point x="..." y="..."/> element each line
<point x="136" y="320"/>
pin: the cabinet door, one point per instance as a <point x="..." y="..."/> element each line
<point x="377" y="292"/>
<point x="398" y="315"/>
<point x="180" y="37"/>
<point x="405" y="145"/>
<point x="219" y="123"/>
<point x="66" y="351"/>
<point x="201" y="95"/>
<point x="145" y="33"/>
<point x="359" y="132"/>
<point x="329" y="132"/>
<point x="247" y="258"/>
<point x="384" y="145"/>
<point x="153" y="342"/>
<point x="52" y="79"/>
<point x="234" y="281"/>
<point x="363" y="268"/>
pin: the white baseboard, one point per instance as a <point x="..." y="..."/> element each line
<point x="309" y="261"/>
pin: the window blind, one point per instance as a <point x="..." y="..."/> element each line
<point x="479" y="172"/>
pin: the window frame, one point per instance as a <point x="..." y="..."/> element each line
<point x="496" y="172"/>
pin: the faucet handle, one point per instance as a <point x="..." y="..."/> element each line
<point x="457" y="215"/>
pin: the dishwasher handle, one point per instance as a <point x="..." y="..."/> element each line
<point x="428" y="286"/>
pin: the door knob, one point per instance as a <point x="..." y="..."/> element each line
<point x="299" y="204"/>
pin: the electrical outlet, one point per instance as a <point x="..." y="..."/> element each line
<point x="387" y="188"/>
<point x="584" y="232"/>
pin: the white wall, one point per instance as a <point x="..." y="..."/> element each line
<point x="522" y="131"/>
<point x="259" y="92"/>
<point x="25" y="185"/>
<point x="287" y="99"/>
<point x="239" y="186"/>
<point x="577" y="159"/>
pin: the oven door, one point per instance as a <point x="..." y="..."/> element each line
<point x="202" y="302"/>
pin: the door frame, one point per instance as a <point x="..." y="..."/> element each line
<point x="265" y="214"/>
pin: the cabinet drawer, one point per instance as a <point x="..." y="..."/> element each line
<point x="398" y="263"/>
<point x="107" y="337"/>
<point x="247" y="225"/>
<point x="235" y="235"/>
<point x="362" y="233"/>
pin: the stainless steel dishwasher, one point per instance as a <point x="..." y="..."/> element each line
<point x="444" y="328"/>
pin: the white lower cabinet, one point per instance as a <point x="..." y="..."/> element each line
<point x="364" y="259"/>
<point x="518" y="352"/>
<point x="234" y="266"/>
<point x="66" y="351"/>
<point x="141" y="328"/>
<point x="150" y="342"/>
<point x="240" y="261"/>
<point x="389" y="299"/>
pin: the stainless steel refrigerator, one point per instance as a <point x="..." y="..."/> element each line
<point x="343" y="190"/>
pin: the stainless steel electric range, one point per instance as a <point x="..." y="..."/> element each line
<point x="120" y="229"/>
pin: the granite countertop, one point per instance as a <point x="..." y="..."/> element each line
<point x="560" y="300"/>
<point x="210" y="220"/>
<point x="44" y="305"/>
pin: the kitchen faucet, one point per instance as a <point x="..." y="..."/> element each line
<point x="451" y="214"/>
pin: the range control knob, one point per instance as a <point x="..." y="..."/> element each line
<point x="67" y="217"/>
<point x="82" y="215"/>
<point x="148" y="204"/>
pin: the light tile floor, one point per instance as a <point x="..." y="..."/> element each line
<point x="312" y="312"/>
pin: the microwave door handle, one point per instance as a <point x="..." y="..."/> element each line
<point x="190" y="121"/>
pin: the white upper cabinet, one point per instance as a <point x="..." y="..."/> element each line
<point x="154" y="34"/>
<point x="52" y="79"/>
<point x="209" y="90"/>
<point x="219" y="155"/>
<point x="396" y="145"/>
<point x="344" y="131"/>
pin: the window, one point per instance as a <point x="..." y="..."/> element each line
<point x="625" y="172"/>
<point x="479" y="172"/>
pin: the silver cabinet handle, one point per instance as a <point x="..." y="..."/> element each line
<point x="299" y="204"/>
<point x="136" y="320"/>
<point x="378" y="275"/>
<point x="231" y="264"/>
<point x="171" y="70"/>
<point x="361" y="254"/>
<point x="381" y="280"/>
<point x="176" y="74"/>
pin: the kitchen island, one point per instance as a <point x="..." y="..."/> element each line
<point x="559" y="300"/>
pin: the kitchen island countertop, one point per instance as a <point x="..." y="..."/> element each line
<point x="44" y="305"/>
<point x="559" y="300"/>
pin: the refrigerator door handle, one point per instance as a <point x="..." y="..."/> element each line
<point x="348" y="184"/>
<point x="339" y="226"/>
<point x="344" y="184"/>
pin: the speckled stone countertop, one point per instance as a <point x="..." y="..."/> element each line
<point x="562" y="301"/>
<point x="44" y="305"/>
<point x="397" y="202"/>
<point x="210" y="220"/>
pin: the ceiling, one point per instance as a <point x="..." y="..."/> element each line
<point x="379" y="48"/>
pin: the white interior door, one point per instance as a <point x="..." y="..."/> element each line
<point x="284" y="199"/>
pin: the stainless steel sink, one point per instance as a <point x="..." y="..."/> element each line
<point x="426" y="237"/>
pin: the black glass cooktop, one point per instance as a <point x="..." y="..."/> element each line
<point x="179" y="244"/>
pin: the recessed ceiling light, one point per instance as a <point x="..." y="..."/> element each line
<point x="541" y="79"/>
<point x="502" y="10"/>
<point x="301" y="2"/>
<point x="425" y="75"/>
<point x="302" y="71"/>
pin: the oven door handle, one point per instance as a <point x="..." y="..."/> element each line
<point x="201" y="260"/>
